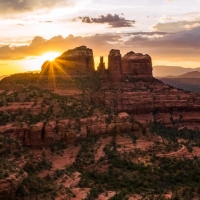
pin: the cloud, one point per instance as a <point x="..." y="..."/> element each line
<point x="39" y="45"/>
<point x="183" y="39"/>
<point x="171" y="1"/>
<point x="176" y="26"/>
<point x="114" y="21"/>
<point x="181" y="46"/>
<point x="191" y="16"/>
<point x="28" y="5"/>
<point x="148" y="33"/>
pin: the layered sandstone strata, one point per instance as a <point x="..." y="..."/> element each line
<point x="41" y="133"/>
<point x="143" y="101"/>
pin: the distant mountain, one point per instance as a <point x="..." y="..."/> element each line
<point x="189" y="81"/>
<point x="194" y="74"/>
<point x="36" y="71"/>
<point x="164" y="71"/>
<point x="4" y="76"/>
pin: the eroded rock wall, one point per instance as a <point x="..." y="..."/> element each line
<point x="68" y="130"/>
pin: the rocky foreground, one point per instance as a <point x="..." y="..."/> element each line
<point x="71" y="132"/>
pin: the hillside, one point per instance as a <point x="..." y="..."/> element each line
<point x="1" y="77"/>
<point x="194" y="74"/>
<point x="111" y="134"/>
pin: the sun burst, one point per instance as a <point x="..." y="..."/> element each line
<point x="50" y="56"/>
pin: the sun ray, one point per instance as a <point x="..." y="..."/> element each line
<point x="53" y="75"/>
<point x="56" y="68"/>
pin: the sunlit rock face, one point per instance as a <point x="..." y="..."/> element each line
<point x="78" y="61"/>
<point x="115" y="65"/>
<point x="137" y="65"/>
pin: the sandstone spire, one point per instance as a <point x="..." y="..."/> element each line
<point x="115" y="65"/>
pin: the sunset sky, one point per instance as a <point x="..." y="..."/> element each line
<point x="31" y="31"/>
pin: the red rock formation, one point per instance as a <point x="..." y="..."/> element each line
<point x="137" y="65"/>
<point x="78" y="61"/>
<point x="115" y="65"/>
<point x="42" y="134"/>
<point x="147" y="99"/>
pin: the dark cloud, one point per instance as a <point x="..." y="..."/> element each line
<point x="148" y="33"/>
<point x="176" y="26"/>
<point x="187" y="39"/>
<point x="183" y="45"/>
<point x="114" y="21"/>
<point x="26" y="5"/>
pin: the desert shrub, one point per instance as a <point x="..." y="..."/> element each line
<point x="94" y="193"/>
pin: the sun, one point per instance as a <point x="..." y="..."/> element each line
<point x="34" y="63"/>
<point x="50" y="56"/>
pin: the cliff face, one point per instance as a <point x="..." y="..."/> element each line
<point x="148" y="98"/>
<point x="48" y="117"/>
<point x="72" y="62"/>
<point x="42" y="134"/>
<point x="137" y="65"/>
<point x="115" y="65"/>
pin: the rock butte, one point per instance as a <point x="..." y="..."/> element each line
<point x="80" y="61"/>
